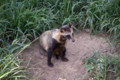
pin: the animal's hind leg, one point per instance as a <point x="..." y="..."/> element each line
<point x="41" y="51"/>
<point x="63" y="54"/>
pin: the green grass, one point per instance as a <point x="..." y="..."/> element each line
<point x="22" y="21"/>
<point x="103" y="67"/>
<point x="10" y="68"/>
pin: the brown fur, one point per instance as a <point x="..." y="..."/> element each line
<point x="61" y="46"/>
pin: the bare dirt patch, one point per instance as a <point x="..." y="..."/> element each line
<point x="71" y="70"/>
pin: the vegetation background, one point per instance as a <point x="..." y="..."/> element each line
<point x="22" y="21"/>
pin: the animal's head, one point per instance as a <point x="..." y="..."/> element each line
<point x="67" y="32"/>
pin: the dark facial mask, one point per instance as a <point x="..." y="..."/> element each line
<point x="68" y="36"/>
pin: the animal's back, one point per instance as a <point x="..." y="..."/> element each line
<point x="46" y="40"/>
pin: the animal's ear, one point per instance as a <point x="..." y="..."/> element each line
<point x="62" y="29"/>
<point x="70" y="25"/>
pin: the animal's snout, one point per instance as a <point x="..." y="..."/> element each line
<point x="68" y="37"/>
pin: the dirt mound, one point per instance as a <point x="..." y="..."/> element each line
<point x="71" y="70"/>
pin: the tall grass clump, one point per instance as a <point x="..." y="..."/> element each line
<point x="103" y="67"/>
<point x="103" y="16"/>
<point x="10" y="68"/>
<point x="24" y="20"/>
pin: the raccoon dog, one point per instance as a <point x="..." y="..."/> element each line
<point x="53" y="42"/>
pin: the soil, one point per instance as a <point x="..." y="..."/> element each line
<point x="83" y="46"/>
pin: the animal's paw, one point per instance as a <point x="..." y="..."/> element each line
<point x="57" y="57"/>
<point x="50" y="64"/>
<point x="65" y="59"/>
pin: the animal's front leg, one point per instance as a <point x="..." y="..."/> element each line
<point x="57" y="56"/>
<point x="63" y="54"/>
<point x="50" y="51"/>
